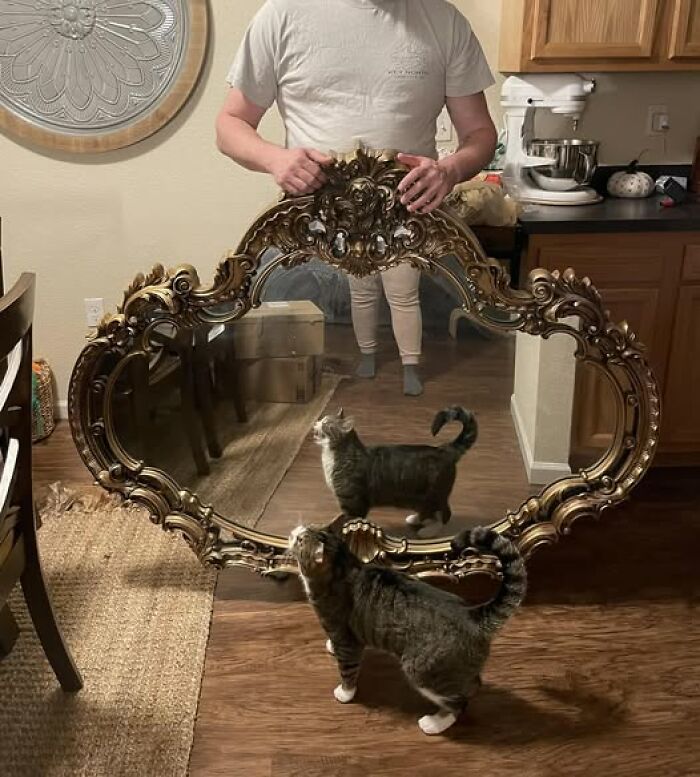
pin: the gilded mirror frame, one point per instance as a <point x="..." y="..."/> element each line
<point x="360" y="204"/>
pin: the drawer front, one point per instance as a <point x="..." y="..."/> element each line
<point x="691" y="263"/>
<point x="607" y="260"/>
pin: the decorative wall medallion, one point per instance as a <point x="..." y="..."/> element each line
<point x="91" y="75"/>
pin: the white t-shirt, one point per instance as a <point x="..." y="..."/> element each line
<point x="346" y="72"/>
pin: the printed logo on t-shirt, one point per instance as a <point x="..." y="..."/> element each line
<point x="410" y="62"/>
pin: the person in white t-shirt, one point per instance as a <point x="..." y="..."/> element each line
<point x="370" y="72"/>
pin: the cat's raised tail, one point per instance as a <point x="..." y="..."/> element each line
<point x="512" y="592"/>
<point x="470" y="429"/>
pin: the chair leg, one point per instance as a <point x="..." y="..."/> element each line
<point x="230" y="367"/>
<point x="206" y="408"/>
<point x="8" y="631"/>
<point x="140" y="401"/>
<point x="238" y="400"/>
<point x="44" y="619"/>
<point x="203" y="391"/>
<point x="190" y="416"/>
<point x="455" y="317"/>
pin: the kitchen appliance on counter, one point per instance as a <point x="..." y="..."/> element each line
<point x="547" y="171"/>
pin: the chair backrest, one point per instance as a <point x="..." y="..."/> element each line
<point x="16" y="314"/>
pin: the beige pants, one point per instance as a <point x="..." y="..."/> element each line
<point x="401" y="288"/>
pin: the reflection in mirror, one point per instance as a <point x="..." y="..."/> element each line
<point x="593" y="424"/>
<point x="231" y="411"/>
<point x="551" y="405"/>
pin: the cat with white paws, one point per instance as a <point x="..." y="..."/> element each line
<point x="441" y="644"/>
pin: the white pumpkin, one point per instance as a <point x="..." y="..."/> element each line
<point x="631" y="183"/>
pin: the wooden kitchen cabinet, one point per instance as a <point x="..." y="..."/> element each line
<point x="652" y="281"/>
<point x="599" y="35"/>
<point x="685" y="30"/>
<point x="594" y="414"/>
<point x="681" y="420"/>
<point x="565" y="29"/>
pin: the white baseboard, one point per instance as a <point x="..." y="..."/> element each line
<point x="539" y="473"/>
<point x="61" y="410"/>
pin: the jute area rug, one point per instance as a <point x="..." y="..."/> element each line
<point x="135" y="606"/>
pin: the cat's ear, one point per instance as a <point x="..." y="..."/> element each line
<point x="319" y="551"/>
<point x="347" y="424"/>
<point x="341" y="413"/>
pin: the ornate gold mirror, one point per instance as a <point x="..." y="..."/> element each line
<point x="200" y="401"/>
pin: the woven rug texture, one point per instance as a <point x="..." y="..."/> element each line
<point x="135" y="606"/>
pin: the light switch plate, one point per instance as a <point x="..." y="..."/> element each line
<point x="94" y="310"/>
<point x="658" y="122"/>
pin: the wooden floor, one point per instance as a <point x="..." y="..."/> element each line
<point x="473" y="371"/>
<point x="598" y="674"/>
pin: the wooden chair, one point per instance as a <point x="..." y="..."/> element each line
<point x="19" y="553"/>
<point x="203" y="370"/>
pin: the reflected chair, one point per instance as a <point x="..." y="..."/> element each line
<point x="192" y="360"/>
<point x="19" y="552"/>
<point x="174" y="365"/>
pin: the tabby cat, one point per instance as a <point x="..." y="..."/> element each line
<point x="442" y="644"/>
<point x="418" y="477"/>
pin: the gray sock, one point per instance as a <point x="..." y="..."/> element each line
<point x="367" y="367"/>
<point x="411" y="382"/>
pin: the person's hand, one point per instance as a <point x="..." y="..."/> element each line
<point x="427" y="184"/>
<point x="299" y="170"/>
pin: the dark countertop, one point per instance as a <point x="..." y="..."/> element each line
<point x="612" y="215"/>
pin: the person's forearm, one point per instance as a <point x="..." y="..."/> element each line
<point x="242" y="143"/>
<point x="473" y="154"/>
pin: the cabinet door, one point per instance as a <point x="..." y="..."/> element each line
<point x="595" y="406"/>
<point x="638" y="276"/>
<point x="680" y="420"/>
<point x="593" y="29"/>
<point x="685" y="30"/>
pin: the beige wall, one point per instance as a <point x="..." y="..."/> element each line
<point x="87" y="225"/>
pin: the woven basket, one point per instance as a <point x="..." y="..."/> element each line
<point x="43" y="422"/>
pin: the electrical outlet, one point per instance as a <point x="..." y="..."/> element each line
<point x="444" y="127"/>
<point x="658" y="122"/>
<point x="94" y="310"/>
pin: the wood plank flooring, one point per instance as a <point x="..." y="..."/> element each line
<point x="473" y="371"/>
<point x="598" y="674"/>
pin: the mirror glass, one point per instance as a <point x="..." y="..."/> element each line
<point x="231" y="411"/>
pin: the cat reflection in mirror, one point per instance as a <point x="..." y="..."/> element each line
<point x="416" y="477"/>
<point x="441" y="643"/>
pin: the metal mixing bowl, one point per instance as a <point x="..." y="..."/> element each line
<point x="575" y="162"/>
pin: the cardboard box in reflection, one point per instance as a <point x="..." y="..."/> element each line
<point x="279" y="348"/>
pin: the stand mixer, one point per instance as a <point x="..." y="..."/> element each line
<point x="549" y="172"/>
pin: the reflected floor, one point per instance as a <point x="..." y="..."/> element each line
<point x="475" y="371"/>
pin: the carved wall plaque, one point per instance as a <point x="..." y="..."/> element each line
<point x="94" y="75"/>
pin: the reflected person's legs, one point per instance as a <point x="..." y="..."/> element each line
<point x="365" y="294"/>
<point x="401" y="286"/>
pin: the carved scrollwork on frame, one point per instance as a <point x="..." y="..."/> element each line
<point x="357" y="223"/>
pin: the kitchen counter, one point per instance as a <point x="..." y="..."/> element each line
<point x="612" y="215"/>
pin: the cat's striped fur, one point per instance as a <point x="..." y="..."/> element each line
<point x="418" y="477"/>
<point x="441" y="643"/>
